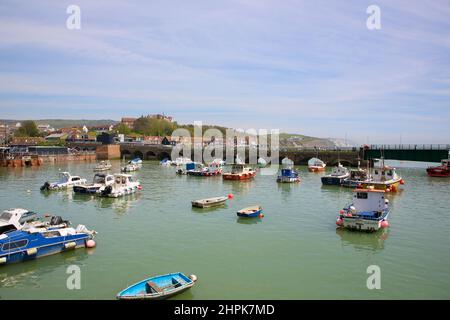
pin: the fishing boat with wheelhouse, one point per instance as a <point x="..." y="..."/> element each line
<point x="287" y="173"/>
<point x="442" y="170"/>
<point x="369" y="211"/>
<point x="356" y="178"/>
<point x="337" y="176"/>
<point x="384" y="178"/>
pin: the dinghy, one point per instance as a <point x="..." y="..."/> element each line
<point x="210" y="202"/>
<point x="159" y="287"/>
<point x="251" y="212"/>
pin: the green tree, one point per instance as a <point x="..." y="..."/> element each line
<point x="123" y="129"/>
<point x="28" y="129"/>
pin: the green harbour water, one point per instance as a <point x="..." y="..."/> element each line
<point x="294" y="252"/>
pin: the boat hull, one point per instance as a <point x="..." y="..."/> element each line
<point x="44" y="249"/>
<point x="208" y="204"/>
<point x="438" y="172"/>
<point x="332" y="181"/>
<point x="86" y="189"/>
<point x="282" y="179"/>
<point x="316" y="169"/>
<point x="238" y="176"/>
<point x="165" y="283"/>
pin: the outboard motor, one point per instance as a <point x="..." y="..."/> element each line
<point x="46" y="186"/>
<point x="107" y="191"/>
<point x="55" y="220"/>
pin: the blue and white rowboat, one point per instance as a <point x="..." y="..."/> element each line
<point x="159" y="287"/>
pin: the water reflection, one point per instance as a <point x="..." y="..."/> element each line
<point x="363" y="241"/>
<point x="248" y="220"/>
<point x="209" y="210"/>
<point x="120" y="205"/>
<point x="30" y="273"/>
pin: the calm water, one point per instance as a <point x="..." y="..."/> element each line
<point x="294" y="252"/>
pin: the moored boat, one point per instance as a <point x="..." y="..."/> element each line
<point x="316" y="165"/>
<point x="209" y="202"/>
<point x="123" y="185"/>
<point x="33" y="242"/>
<point x="65" y="181"/>
<point x="337" y="176"/>
<point x="130" y="167"/>
<point x="100" y="180"/>
<point x="195" y="169"/>
<point x="159" y="287"/>
<point x="442" y="170"/>
<point x="356" y="178"/>
<point x="287" y="173"/>
<point x="384" y="178"/>
<point x="239" y="172"/>
<point x="103" y="166"/>
<point x="251" y="212"/>
<point x="262" y="163"/>
<point x="369" y="211"/>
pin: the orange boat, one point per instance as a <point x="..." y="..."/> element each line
<point x="239" y="172"/>
<point x="316" y="165"/>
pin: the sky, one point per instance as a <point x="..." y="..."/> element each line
<point x="310" y="67"/>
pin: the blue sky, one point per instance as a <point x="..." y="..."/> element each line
<point x="309" y="67"/>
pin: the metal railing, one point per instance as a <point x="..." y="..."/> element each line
<point x="410" y="146"/>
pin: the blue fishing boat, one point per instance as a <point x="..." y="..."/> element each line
<point x="288" y="174"/>
<point x="251" y="212"/>
<point x="159" y="287"/>
<point x="31" y="243"/>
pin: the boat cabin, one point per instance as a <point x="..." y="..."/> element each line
<point x="385" y="173"/>
<point x="339" y="170"/>
<point x="368" y="200"/>
<point x="66" y="177"/>
<point x="14" y="219"/>
<point x="103" y="179"/>
<point x="123" y="179"/>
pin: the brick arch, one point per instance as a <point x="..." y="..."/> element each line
<point x="164" y="155"/>
<point x="125" y="154"/>
<point x="150" y="155"/>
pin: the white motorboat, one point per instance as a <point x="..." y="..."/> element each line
<point x="103" y="166"/>
<point x="123" y="185"/>
<point x="65" y="181"/>
<point x="100" y="180"/>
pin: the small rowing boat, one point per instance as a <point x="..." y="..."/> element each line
<point x="316" y="165"/>
<point x="251" y="212"/>
<point x="210" y="202"/>
<point x="159" y="287"/>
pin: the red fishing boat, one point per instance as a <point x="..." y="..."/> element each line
<point x="440" y="171"/>
<point x="239" y="172"/>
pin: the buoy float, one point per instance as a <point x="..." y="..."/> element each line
<point x="90" y="243"/>
<point x="230" y="196"/>
<point x="342" y="212"/>
<point x="140" y="188"/>
<point x="402" y="181"/>
<point x="339" y="222"/>
<point x="261" y="215"/>
<point x="388" y="189"/>
<point x="384" y="224"/>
